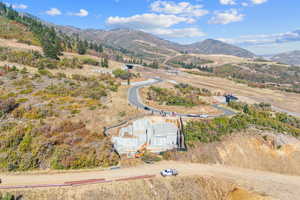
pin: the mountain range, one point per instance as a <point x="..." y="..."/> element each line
<point x="146" y="45"/>
<point x="290" y="58"/>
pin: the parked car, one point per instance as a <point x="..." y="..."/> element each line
<point x="146" y="108"/>
<point x="204" y="116"/>
<point x="169" y="172"/>
<point x="193" y="115"/>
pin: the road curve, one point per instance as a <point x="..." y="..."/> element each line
<point x="135" y="100"/>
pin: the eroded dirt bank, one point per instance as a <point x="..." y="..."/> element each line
<point x="179" y="188"/>
<point x="259" y="150"/>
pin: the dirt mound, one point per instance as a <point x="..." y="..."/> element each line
<point x="180" y="188"/>
<point x="240" y="194"/>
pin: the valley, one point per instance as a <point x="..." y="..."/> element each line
<point x="122" y="105"/>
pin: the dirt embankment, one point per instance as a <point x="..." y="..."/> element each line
<point x="254" y="150"/>
<point x="180" y="188"/>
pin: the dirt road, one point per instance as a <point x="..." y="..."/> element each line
<point x="275" y="185"/>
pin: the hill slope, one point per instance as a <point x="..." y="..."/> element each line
<point x="147" y="45"/>
<point x="290" y="58"/>
<point x="211" y="46"/>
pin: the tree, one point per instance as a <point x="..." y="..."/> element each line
<point x="81" y="49"/>
<point x="246" y="109"/>
<point x="104" y="63"/>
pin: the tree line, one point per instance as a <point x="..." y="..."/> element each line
<point x="53" y="42"/>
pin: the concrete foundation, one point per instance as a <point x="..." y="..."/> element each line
<point x="156" y="134"/>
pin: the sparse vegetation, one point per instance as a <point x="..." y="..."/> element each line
<point x="35" y="59"/>
<point x="263" y="75"/>
<point x="34" y="130"/>
<point x="258" y="115"/>
<point x="182" y="95"/>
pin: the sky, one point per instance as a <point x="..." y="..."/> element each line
<point x="262" y="26"/>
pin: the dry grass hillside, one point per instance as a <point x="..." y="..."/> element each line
<point x="17" y="31"/>
<point x="181" y="188"/>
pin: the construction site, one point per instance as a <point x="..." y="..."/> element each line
<point x="153" y="134"/>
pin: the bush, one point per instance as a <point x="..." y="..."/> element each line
<point x="7" y="106"/>
<point x="122" y="74"/>
<point x="90" y="61"/>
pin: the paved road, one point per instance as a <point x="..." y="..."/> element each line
<point x="135" y="100"/>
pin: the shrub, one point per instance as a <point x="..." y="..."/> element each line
<point x="123" y="74"/>
<point x="7" y="106"/>
<point x="90" y="61"/>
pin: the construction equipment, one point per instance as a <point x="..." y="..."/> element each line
<point x="140" y="153"/>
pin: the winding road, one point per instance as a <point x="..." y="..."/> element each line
<point x="135" y="100"/>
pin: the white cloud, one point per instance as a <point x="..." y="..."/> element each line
<point x="181" y="8"/>
<point x="158" y="24"/>
<point x="227" y="2"/>
<point x="81" y="13"/>
<point x="178" y="33"/>
<point x="245" y="4"/>
<point x="226" y="17"/>
<point x="147" y="21"/>
<point x="19" y="6"/>
<point x="262" y="39"/>
<point x="53" y="12"/>
<point x="259" y="1"/>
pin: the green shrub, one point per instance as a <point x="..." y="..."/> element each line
<point x="90" y="61"/>
<point x="123" y="74"/>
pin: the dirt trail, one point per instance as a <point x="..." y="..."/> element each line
<point x="275" y="185"/>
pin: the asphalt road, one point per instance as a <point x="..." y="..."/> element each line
<point x="135" y="100"/>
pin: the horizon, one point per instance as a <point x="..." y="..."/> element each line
<point x="250" y="24"/>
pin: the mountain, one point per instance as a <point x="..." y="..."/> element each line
<point x="129" y="41"/>
<point x="290" y="58"/>
<point x="211" y="46"/>
<point x="147" y="45"/>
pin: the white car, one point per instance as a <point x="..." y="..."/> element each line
<point x="204" y="116"/>
<point x="169" y="172"/>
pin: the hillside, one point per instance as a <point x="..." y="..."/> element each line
<point x="149" y="46"/>
<point x="290" y="58"/>
<point x="211" y="46"/>
<point x="129" y="41"/>
<point x="13" y="30"/>
<point x="180" y="188"/>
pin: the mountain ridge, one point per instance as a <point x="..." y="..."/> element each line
<point x="140" y="42"/>
<point x="290" y="57"/>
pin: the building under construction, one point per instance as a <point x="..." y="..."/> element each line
<point x="154" y="134"/>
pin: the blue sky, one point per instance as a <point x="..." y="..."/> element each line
<point x="263" y="26"/>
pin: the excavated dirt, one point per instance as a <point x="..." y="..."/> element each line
<point x="255" y="149"/>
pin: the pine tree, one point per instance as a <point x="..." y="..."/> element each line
<point x="104" y="63"/>
<point x="81" y="49"/>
